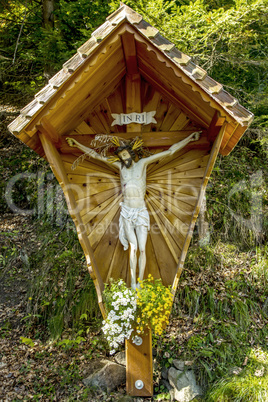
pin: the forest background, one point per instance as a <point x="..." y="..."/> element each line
<point x="222" y="301"/>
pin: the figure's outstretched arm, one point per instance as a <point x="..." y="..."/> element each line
<point x="174" y="148"/>
<point x="74" y="143"/>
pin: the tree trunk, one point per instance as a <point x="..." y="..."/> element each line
<point x="48" y="14"/>
<point x="203" y="225"/>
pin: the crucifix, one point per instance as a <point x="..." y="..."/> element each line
<point x="134" y="221"/>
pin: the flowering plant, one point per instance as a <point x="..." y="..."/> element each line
<point x="120" y="302"/>
<point x="154" y="302"/>
<point x="131" y="312"/>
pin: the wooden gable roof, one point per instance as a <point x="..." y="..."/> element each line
<point x="127" y="44"/>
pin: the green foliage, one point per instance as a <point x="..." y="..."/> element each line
<point x="237" y="196"/>
<point x="30" y="52"/>
<point x="249" y="384"/>
<point x="27" y="341"/>
<point x="62" y="289"/>
<point x="227" y="306"/>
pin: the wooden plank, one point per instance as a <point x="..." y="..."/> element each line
<point x="147" y="50"/>
<point x="162" y="162"/>
<point x="119" y="264"/>
<point x="106" y="247"/>
<point x="165" y="260"/>
<point x="92" y="77"/>
<point x="152" y="139"/>
<point x="98" y="124"/>
<point x="167" y="197"/>
<point x="193" y="173"/>
<point x="183" y="167"/>
<point x="150" y="100"/>
<point x="139" y="366"/>
<point x="152" y="266"/>
<point x="98" y="209"/>
<point x="172" y="191"/>
<point x="101" y="226"/>
<point x="129" y="48"/>
<point x="172" y="115"/>
<point x="170" y="202"/>
<point x="84" y="128"/>
<point x="178" y="160"/>
<point x="89" y="214"/>
<point x="181" y="157"/>
<point x="116" y="104"/>
<point x="173" y="248"/>
<point x="161" y="112"/>
<point x="59" y="171"/>
<point x="95" y="199"/>
<point x="49" y="130"/>
<point x="133" y="99"/>
<point x="99" y="187"/>
<point x="91" y="164"/>
<point x="180" y="123"/>
<point x="211" y="162"/>
<point x="94" y="96"/>
<point x="177" y="218"/>
<point x="215" y="126"/>
<point x="87" y="180"/>
<point x="237" y="134"/>
<point x="87" y="171"/>
<point x="104" y="114"/>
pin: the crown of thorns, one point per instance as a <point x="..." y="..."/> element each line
<point x="104" y="142"/>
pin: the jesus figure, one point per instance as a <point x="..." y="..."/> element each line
<point x="134" y="221"/>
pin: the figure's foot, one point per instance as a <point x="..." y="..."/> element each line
<point x="134" y="285"/>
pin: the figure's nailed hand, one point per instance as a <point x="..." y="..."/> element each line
<point x="196" y="136"/>
<point x="71" y="142"/>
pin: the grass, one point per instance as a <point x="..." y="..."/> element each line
<point x="61" y="291"/>
<point x="249" y="384"/>
<point x="222" y="306"/>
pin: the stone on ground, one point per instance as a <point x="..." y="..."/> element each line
<point x="107" y="378"/>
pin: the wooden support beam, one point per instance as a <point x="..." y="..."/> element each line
<point x="58" y="169"/>
<point x="139" y="365"/>
<point x="129" y="48"/>
<point x="151" y="139"/>
<point x="215" y="126"/>
<point x="50" y="132"/>
<point x="133" y="99"/>
<point x="138" y="357"/>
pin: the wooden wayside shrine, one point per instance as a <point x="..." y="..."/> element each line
<point x="128" y="69"/>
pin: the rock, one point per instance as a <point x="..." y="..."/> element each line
<point x="120" y="358"/>
<point x="166" y="384"/>
<point x="185" y="394"/>
<point x="189" y="363"/>
<point x="108" y="378"/>
<point x="164" y="373"/>
<point x="184" y="384"/>
<point x="179" y="364"/>
<point x="125" y="398"/>
<point x="235" y="370"/>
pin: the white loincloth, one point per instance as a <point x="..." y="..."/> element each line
<point x="137" y="217"/>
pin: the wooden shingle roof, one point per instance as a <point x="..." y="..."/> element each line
<point x="158" y="61"/>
